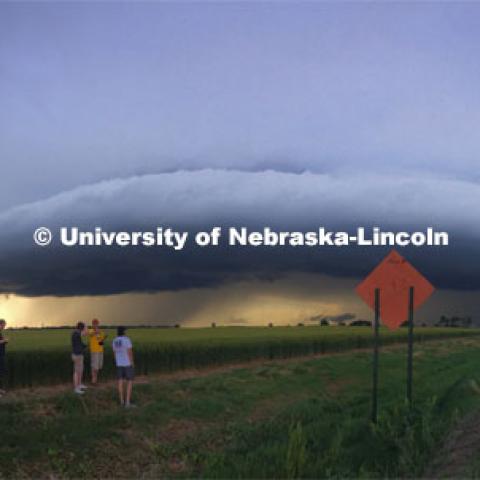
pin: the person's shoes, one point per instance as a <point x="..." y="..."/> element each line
<point x="82" y="387"/>
<point x="130" y="405"/>
<point x="79" y="391"/>
<point x="2" y="391"/>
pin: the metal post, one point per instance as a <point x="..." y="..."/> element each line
<point x="410" y="347"/>
<point x="375" y="356"/>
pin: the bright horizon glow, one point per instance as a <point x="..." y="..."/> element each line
<point x="297" y="298"/>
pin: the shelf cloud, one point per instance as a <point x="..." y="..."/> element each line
<point x="198" y="200"/>
<point x="288" y="115"/>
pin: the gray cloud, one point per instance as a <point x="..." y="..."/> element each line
<point x="95" y="92"/>
<point x="194" y="200"/>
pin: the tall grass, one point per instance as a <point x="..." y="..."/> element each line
<point x="40" y="365"/>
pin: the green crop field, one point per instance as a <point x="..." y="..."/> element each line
<point x="42" y="357"/>
<point x="299" y="418"/>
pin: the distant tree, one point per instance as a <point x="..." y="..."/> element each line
<point x="361" y="323"/>
<point x="324" y="322"/>
<point x="454" y="322"/>
<point x="214" y="324"/>
<point x="442" y="322"/>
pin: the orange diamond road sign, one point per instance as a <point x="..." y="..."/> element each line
<point x="393" y="277"/>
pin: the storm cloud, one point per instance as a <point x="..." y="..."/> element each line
<point x="199" y="200"/>
<point x="129" y="116"/>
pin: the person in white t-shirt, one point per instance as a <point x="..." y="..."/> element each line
<point x="123" y="350"/>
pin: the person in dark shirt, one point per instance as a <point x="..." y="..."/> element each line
<point x="3" y="345"/>
<point x="78" y="351"/>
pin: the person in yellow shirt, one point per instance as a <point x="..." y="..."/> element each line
<point x="96" y="341"/>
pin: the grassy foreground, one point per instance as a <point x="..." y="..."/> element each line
<point x="274" y="419"/>
<point x="42" y="357"/>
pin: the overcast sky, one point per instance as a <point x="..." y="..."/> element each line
<point x="290" y="114"/>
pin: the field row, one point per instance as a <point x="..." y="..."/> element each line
<point x="43" y="357"/>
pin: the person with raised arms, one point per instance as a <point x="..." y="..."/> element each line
<point x="96" y="341"/>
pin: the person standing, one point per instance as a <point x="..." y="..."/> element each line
<point x="123" y="351"/>
<point x="96" y="340"/>
<point x="3" y="345"/>
<point x="78" y="353"/>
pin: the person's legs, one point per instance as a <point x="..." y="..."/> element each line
<point x="94" y="367"/>
<point x="97" y="365"/>
<point x="80" y="372"/>
<point x="129" y="391"/>
<point x="75" y="371"/>
<point x="2" y="375"/>
<point x="120" y="390"/>
<point x="129" y="372"/>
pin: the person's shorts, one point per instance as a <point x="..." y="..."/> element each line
<point x="96" y="360"/>
<point x="125" y="373"/>
<point x="77" y="363"/>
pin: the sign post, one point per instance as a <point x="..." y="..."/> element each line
<point x="402" y="289"/>
<point x="410" y="346"/>
<point x="375" y="356"/>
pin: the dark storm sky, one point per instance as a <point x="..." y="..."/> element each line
<point x="291" y="115"/>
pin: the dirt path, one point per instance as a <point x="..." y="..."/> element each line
<point x="49" y="391"/>
<point x="460" y="450"/>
